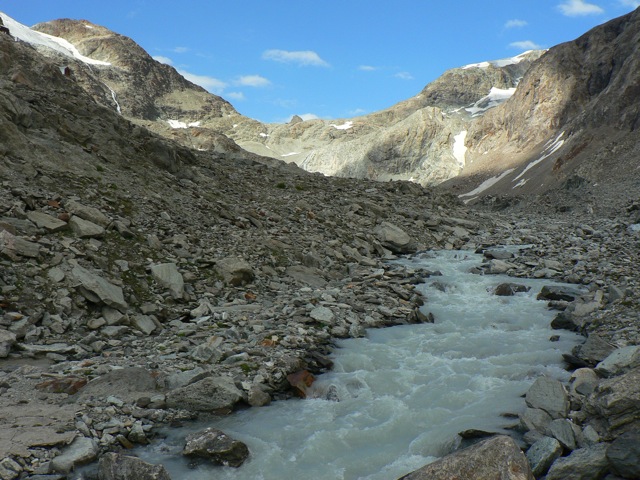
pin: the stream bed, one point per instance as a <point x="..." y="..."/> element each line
<point x="397" y="399"/>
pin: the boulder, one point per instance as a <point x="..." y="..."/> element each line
<point x="81" y="451"/>
<point x="559" y="292"/>
<point x="510" y="289"/>
<point x="562" y="430"/>
<point x="624" y="455"/>
<point x="549" y="395"/>
<point x="217" y="447"/>
<point x="235" y="271"/>
<point x="7" y="340"/>
<point x="588" y="463"/>
<point x="615" y="403"/>
<point x="144" y="323"/>
<point x="85" y="212"/>
<point x="13" y="246"/>
<point x="537" y="420"/>
<point x="583" y="381"/>
<point x="130" y="383"/>
<point x="85" y="229"/>
<point x="211" y="394"/>
<point x="49" y="223"/>
<point x="593" y="350"/>
<point x="167" y="275"/>
<point x="542" y="454"/>
<point x="115" y="466"/>
<point x="619" y="361"/>
<point x="394" y="238"/>
<point x="96" y="289"/>
<point x="497" y="458"/>
<point x="566" y="321"/>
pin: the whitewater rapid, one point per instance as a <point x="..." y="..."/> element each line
<point x="403" y="393"/>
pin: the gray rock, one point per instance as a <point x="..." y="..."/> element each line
<point x="216" y="447"/>
<point x="130" y="383"/>
<point x="144" y="323"/>
<point x="583" y="381"/>
<point x="549" y="395"/>
<point x="496" y="267"/>
<point x="210" y="394"/>
<point x="85" y="229"/>
<point x="11" y="246"/>
<point x="559" y="292"/>
<point x="537" y="420"/>
<point x="306" y="275"/>
<point x="322" y="314"/>
<point x="496" y="458"/>
<point x="97" y="289"/>
<point x="9" y="469"/>
<point x="258" y="397"/>
<point x="115" y="466"/>
<point x="542" y="454"/>
<point x="167" y="275"/>
<point x="510" y="289"/>
<point x="208" y="351"/>
<point x="583" y="464"/>
<point x="7" y="340"/>
<point x="49" y="223"/>
<point x="394" y="238"/>
<point x="82" y="450"/>
<point x="562" y="431"/>
<point x="624" y="455"/>
<point x="615" y="402"/>
<point x="593" y="350"/>
<point x="620" y="361"/>
<point x="85" y="212"/>
<point x="56" y="274"/>
<point x="235" y="271"/>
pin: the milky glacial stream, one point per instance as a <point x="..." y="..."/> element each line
<point x="404" y="392"/>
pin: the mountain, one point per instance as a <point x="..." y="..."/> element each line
<point x="536" y="124"/>
<point x="571" y="124"/>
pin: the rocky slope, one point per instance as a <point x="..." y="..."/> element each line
<point x="143" y="282"/>
<point x="571" y="124"/>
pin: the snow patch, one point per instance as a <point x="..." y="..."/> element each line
<point x="496" y="97"/>
<point x="113" y="95"/>
<point x="549" y="150"/>
<point x="344" y="126"/>
<point x="499" y="63"/>
<point x="179" y="124"/>
<point x="487" y="184"/>
<point x="289" y="154"/>
<point x="459" y="148"/>
<point x="60" y="45"/>
<point x="264" y="135"/>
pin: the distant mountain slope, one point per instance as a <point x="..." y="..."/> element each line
<point x="531" y="124"/>
<point x="574" y="118"/>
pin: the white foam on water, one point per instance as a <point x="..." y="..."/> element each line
<point x="405" y="392"/>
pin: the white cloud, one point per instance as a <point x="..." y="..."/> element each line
<point x="161" y="59"/>
<point x="630" y="3"/>
<point x="308" y="116"/>
<point x="235" y="96"/>
<point x="525" y="45"/>
<point x="180" y="49"/>
<point x="515" y="23"/>
<point x="208" y="83"/>
<point x="357" y="111"/>
<point x="301" y="57"/>
<point x="367" y="68"/>
<point x="404" y="76"/>
<point x="579" y="8"/>
<point x="252" y="81"/>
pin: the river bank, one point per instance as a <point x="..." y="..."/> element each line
<point x="184" y="304"/>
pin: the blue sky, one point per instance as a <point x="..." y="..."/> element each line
<point x="328" y="59"/>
